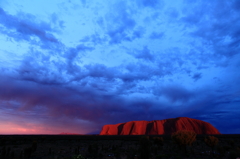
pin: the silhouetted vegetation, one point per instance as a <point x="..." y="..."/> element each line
<point x="144" y="148"/>
<point x="184" y="138"/>
<point x="211" y="141"/>
<point x="120" y="147"/>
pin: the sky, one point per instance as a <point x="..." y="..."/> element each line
<point x="74" y="66"/>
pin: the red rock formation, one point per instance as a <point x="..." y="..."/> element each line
<point x="159" y="127"/>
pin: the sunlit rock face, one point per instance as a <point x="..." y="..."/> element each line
<point x="159" y="127"/>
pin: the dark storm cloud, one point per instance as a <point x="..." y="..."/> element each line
<point x="144" y="54"/>
<point x="119" y="24"/>
<point x="174" y="93"/>
<point x="100" y="70"/>
<point x="135" y="72"/>
<point x="95" y="38"/>
<point x="60" y="84"/>
<point x="122" y="26"/>
<point x="197" y="76"/>
<point x="58" y="100"/>
<point x="89" y="95"/>
<point x="216" y="25"/>
<point x="85" y="102"/>
<point x="236" y="5"/>
<point x="82" y="103"/>
<point x="71" y="54"/>
<point x="225" y="121"/>
<point x="138" y="72"/>
<point x="38" y="66"/>
<point x="201" y="104"/>
<point x="198" y="104"/>
<point x="23" y="29"/>
<point x="47" y="73"/>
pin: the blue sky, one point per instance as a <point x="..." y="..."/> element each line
<point x="74" y="66"/>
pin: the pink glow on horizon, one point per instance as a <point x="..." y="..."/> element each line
<point x="29" y="128"/>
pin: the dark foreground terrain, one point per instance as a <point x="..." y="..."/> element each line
<point x="114" y="147"/>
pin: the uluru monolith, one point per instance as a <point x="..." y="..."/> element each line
<point x="159" y="127"/>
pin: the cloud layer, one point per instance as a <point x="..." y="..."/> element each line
<point x="78" y="66"/>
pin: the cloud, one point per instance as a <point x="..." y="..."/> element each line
<point x="151" y="3"/>
<point x="73" y="84"/>
<point x="119" y="23"/>
<point x="95" y="39"/>
<point x="236" y="5"/>
<point x="32" y="95"/>
<point x="84" y="103"/>
<point x="172" y="13"/>
<point x="55" y="20"/>
<point x="23" y="29"/>
<point x="138" y="72"/>
<point x="72" y="53"/>
<point x="138" y="33"/>
<point x="214" y="27"/>
<point x="155" y="35"/>
<point x="197" y="76"/>
<point x="66" y="103"/>
<point x="100" y="70"/>
<point x="175" y="93"/>
<point x="134" y="72"/>
<point x="144" y="54"/>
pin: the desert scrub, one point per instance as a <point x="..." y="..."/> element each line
<point x="234" y="153"/>
<point x="211" y="141"/>
<point x="161" y="156"/>
<point x="79" y="157"/>
<point x="158" y="141"/>
<point x="144" y="147"/>
<point x="184" y="138"/>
